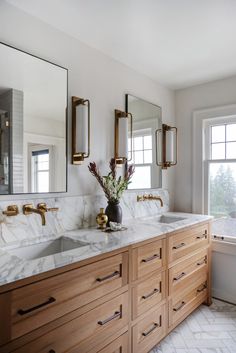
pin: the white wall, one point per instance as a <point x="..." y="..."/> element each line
<point x="91" y="75"/>
<point x="213" y="94"/>
<point x="217" y="93"/>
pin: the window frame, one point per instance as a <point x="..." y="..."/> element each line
<point x="207" y="161"/>
<point x="142" y="133"/>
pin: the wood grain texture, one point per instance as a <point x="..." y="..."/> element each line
<point x="137" y="281"/>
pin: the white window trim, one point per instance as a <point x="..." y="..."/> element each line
<point x="199" y="168"/>
<point x="37" y="147"/>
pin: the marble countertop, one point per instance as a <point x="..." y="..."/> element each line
<point x="93" y="242"/>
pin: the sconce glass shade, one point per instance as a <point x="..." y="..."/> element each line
<point x="121" y="135"/>
<point x="123" y="138"/>
<point x="170" y="138"/>
<point x="80" y="129"/>
<point x="166" y="140"/>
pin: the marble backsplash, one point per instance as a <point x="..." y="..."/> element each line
<point x="74" y="212"/>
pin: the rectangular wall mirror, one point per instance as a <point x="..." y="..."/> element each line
<point x="33" y="124"/>
<point x="142" y="148"/>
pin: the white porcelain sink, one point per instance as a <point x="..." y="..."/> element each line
<point x="46" y="248"/>
<point x="169" y="219"/>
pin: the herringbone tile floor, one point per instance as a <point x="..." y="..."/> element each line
<point x="208" y="330"/>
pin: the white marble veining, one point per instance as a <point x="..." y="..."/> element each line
<point x="13" y="268"/>
<point x="74" y="212"/>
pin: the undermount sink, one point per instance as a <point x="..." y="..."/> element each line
<point x="46" y="248"/>
<point x="169" y="219"/>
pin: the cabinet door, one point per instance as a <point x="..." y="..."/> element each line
<point x="149" y="330"/>
<point x="183" y="274"/>
<point x="120" y="345"/>
<point x="186" y="242"/>
<point x="148" y="258"/>
<point x="148" y="293"/>
<point x="182" y="306"/>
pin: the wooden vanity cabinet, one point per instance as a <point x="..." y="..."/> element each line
<point x="125" y="301"/>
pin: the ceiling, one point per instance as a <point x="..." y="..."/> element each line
<point x="178" y="43"/>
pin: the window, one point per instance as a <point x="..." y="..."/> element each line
<point x="40" y="171"/>
<point x="221" y="176"/>
<point x="141" y="158"/>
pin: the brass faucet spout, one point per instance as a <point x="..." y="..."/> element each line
<point x="150" y="197"/>
<point x="28" y="209"/>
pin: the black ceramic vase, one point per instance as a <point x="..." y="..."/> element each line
<point x="114" y="212"/>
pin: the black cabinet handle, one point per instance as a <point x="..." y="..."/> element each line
<point x="179" y="276"/>
<point x="202" y="289"/>
<point x="178" y="246"/>
<point x="155" y="256"/>
<point x="203" y="236"/>
<point x="180" y="306"/>
<point x="101" y="279"/>
<point x="155" y="290"/>
<point x="27" y="311"/>
<point x="52" y="351"/>
<point x="151" y="330"/>
<point x="116" y="314"/>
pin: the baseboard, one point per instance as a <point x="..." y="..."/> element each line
<point x="221" y="295"/>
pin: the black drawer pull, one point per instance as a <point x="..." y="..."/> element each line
<point x="101" y="279"/>
<point x="151" y="330"/>
<point x="155" y="256"/>
<point x="24" y="312"/>
<point x="178" y="246"/>
<point x="202" y="289"/>
<point x="52" y="351"/>
<point x="117" y="314"/>
<point x="155" y="290"/>
<point x="180" y="306"/>
<point x="202" y="262"/>
<point x="179" y="276"/>
<point x="203" y="236"/>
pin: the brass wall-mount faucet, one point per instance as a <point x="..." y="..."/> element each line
<point x="149" y="197"/>
<point x="41" y="210"/>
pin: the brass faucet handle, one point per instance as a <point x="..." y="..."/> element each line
<point x="140" y="198"/>
<point x="12" y="210"/>
<point x="27" y="209"/>
<point x="42" y="206"/>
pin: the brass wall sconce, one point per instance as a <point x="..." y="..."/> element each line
<point x="166" y="139"/>
<point x="122" y="135"/>
<point x="80" y="130"/>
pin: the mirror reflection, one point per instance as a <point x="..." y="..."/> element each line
<point x="33" y="108"/>
<point x="142" y="145"/>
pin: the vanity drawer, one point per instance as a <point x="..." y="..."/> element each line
<point x="149" y="331"/>
<point x="85" y="332"/>
<point x="148" y="258"/>
<point x="120" y="345"/>
<point x="183" y="274"/>
<point x="36" y="304"/>
<point x="184" y="243"/>
<point x="148" y="293"/>
<point x="182" y="306"/>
